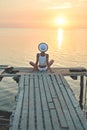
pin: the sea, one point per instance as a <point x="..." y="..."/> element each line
<point x="18" y="46"/>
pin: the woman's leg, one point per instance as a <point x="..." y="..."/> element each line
<point x="34" y="65"/>
<point x="51" y="62"/>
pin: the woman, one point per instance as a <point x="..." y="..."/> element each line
<point x="42" y="59"/>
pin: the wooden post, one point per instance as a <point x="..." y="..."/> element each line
<point x="81" y="91"/>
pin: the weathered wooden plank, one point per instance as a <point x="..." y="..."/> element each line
<point x="71" y="109"/>
<point x="50" y="84"/>
<point x="26" y="83"/>
<point x="31" y="105"/>
<point x="39" y="115"/>
<point x="47" y="87"/>
<point x="17" y="115"/>
<point x="63" y="101"/>
<point x="61" y="70"/>
<point x="43" y="96"/>
<point x="69" y="91"/>
<point x="47" y="90"/>
<point x="3" y="66"/>
<point x="51" y="105"/>
<point x="58" y="105"/>
<point x="46" y="102"/>
<point x="24" y="116"/>
<point x="21" y="84"/>
<point x="47" y="120"/>
<point x="60" y="114"/>
<point x="82" y="118"/>
<point x="54" y="118"/>
<point x="64" y="105"/>
<point x="80" y="115"/>
<point x="36" y="81"/>
<point x="1" y="71"/>
<point x="38" y="108"/>
<point x="46" y="114"/>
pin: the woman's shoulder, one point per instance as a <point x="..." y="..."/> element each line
<point x="47" y="54"/>
<point x="38" y="54"/>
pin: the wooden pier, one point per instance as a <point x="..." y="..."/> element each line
<point x="45" y="101"/>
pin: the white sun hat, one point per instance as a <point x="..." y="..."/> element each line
<point x="43" y="47"/>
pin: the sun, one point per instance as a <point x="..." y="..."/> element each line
<point x="61" y="21"/>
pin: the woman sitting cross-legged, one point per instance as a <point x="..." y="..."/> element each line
<point x="42" y="59"/>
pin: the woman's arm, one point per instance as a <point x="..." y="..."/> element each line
<point x="36" y="63"/>
<point x="37" y="59"/>
<point x="47" y="58"/>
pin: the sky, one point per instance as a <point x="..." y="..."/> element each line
<point x="42" y="13"/>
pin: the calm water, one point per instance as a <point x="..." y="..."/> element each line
<point x="67" y="48"/>
<point x="18" y="46"/>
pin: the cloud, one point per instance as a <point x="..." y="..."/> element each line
<point x="82" y="3"/>
<point x="68" y="4"/>
<point x="61" y="6"/>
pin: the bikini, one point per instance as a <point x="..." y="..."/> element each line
<point x="42" y="63"/>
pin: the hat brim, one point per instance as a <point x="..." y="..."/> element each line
<point x="45" y="47"/>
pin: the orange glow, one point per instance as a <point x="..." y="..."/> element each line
<point x="60" y="37"/>
<point x="43" y="13"/>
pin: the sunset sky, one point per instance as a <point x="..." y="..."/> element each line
<point x="43" y="13"/>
